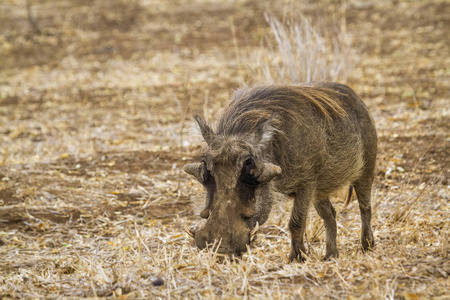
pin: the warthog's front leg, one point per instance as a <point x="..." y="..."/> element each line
<point x="326" y="211"/>
<point x="297" y="225"/>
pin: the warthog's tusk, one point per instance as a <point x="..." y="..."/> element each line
<point x="254" y="231"/>
<point x="189" y="231"/>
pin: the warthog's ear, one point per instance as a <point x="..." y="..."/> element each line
<point x="265" y="132"/>
<point x="206" y="131"/>
<point x="194" y="169"/>
<point x="269" y="172"/>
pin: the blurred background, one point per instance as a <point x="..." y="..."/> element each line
<point x="84" y="76"/>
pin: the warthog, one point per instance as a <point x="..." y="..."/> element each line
<point x="305" y="141"/>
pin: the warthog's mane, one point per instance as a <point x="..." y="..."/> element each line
<point x="252" y="106"/>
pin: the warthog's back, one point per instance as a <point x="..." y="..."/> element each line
<point x="322" y="132"/>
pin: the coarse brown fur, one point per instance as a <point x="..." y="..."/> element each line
<point x="319" y="136"/>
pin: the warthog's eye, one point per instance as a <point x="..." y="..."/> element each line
<point x="247" y="175"/>
<point x="249" y="165"/>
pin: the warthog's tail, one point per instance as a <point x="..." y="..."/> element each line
<point x="349" y="197"/>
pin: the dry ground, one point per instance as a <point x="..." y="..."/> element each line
<point x="95" y="99"/>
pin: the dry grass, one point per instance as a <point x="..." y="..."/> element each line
<point x="304" y="52"/>
<point x="93" y="135"/>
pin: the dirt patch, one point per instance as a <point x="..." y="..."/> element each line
<point x="424" y="154"/>
<point x="19" y="217"/>
<point x="127" y="162"/>
<point x="7" y="196"/>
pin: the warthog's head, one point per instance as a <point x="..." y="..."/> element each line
<point x="237" y="182"/>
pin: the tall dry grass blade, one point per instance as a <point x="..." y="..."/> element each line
<point x="296" y="51"/>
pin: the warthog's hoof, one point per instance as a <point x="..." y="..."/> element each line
<point x="367" y="245"/>
<point x="330" y="255"/>
<point x="296" y="256"/>
<point x="367" y="241"/>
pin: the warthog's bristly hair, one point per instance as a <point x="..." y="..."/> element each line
<point x="251" y="107"/>
<point x="302" y="140"/>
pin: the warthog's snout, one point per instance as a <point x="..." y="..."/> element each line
<point x="234" y="245"/>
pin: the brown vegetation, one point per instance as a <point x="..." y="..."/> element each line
<point x="95" y="99"/>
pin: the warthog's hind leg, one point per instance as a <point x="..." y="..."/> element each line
<point x="363" y="189"/>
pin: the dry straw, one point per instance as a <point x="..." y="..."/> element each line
<point x="296" y="51"/>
